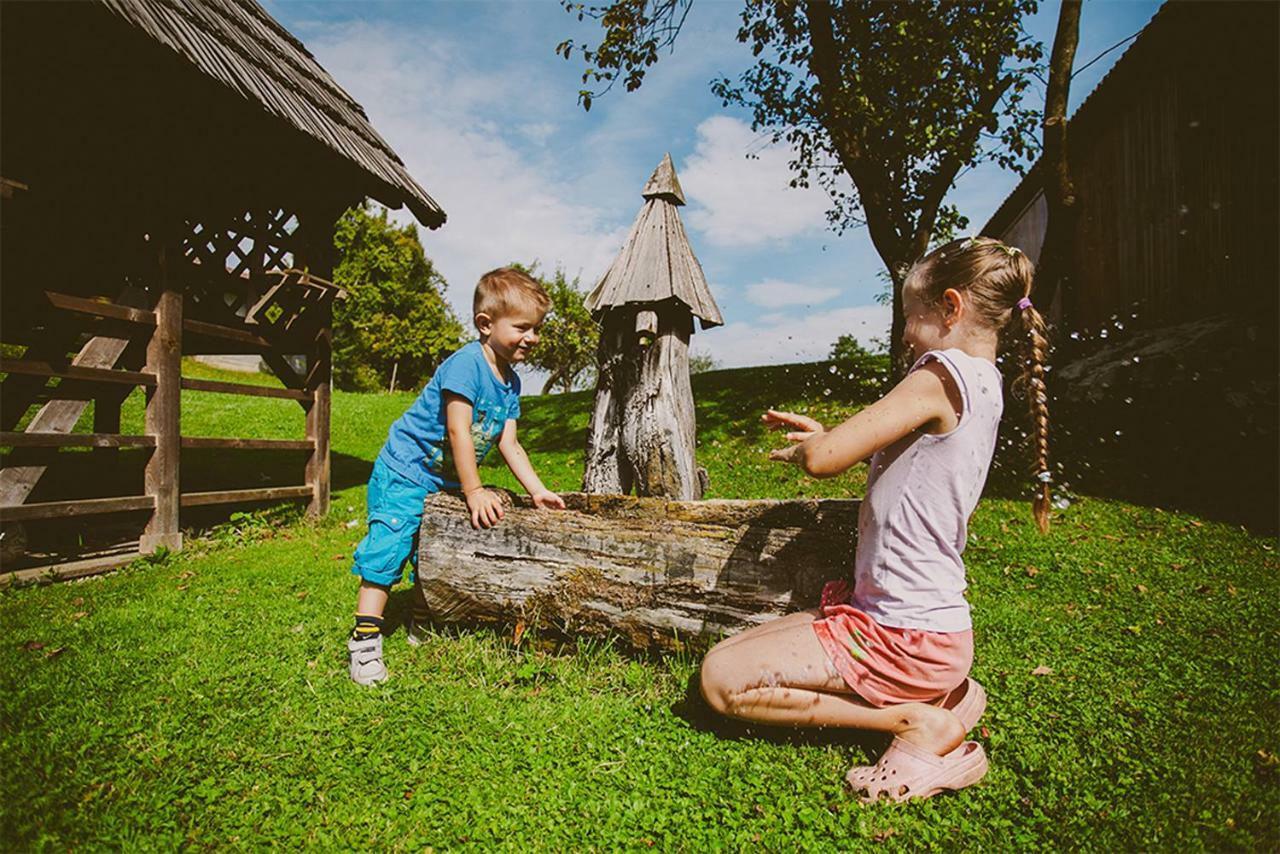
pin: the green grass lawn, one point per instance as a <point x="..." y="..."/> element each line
<point x="202" y="701"/>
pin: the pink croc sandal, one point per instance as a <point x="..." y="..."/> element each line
<point x="906" y="771"/>
<point x="967" y="702"/>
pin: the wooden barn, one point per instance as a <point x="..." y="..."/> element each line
<point x="1166" y="331"/>
<point x="172" y="172"/>
<point x="1174" y="157"/>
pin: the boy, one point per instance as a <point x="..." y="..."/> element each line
<point x="472" y="400"/>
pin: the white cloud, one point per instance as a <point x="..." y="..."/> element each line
<point x="739" y="201"/>
<point x="436" y="110"/>
<point x="776" y="294"/>
<point x="781" y="338"/>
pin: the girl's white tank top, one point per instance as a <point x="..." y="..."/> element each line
<point x="921" y="490"/>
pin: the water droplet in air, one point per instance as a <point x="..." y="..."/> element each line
<point x="1075" y="336"/>
<point x="1128" y="400"/>
<point x="1119" y="432"/>
<point x="1061" y="503"/>
<point x="833" y="369"/>
<point x="1044" y="477"/>
<point x="826" y="392"/>
<point x="1102" y="333"/>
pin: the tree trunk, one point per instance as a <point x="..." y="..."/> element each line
<point x="658" y="573"/>
<point x="643" y="431"/>
<point x="1055" y="264"/>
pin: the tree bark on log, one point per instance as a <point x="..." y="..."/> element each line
<point x="657" y="573"/>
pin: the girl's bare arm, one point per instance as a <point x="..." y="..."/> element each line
<point x="926" y="399"/>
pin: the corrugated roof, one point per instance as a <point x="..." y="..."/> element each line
<point x="1094" y="108"/>
<point x="238" y="44"/>
<point x="657" y="263"/>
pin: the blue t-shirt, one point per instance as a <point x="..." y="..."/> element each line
<point x="417" y="445"/>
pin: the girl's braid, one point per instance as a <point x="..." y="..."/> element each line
<point x="1035" y="351"/>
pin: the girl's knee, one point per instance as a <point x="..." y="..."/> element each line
<point x="714" y="681"/>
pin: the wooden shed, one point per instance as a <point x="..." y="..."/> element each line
<point x="172" y="172"/>
<point x="1166" y="355"/>
<point x="1174" y="157"/>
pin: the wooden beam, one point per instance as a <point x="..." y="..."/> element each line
<point x="74" y="440"/>
<point x="67" y="509"/>
<point x="244" y="496"/>
<point x="227" y="333"/>
<point x="68" y="570"/>
<point x="164" y="407"/>
<point x="190" y="442"/>
<point x="94" y="308"/>
<point x="244" y="389"/>
<point x="74" y="372"/>
<point x="318" y="417"/>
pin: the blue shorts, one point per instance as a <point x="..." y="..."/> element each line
<point x="395" y="513"/>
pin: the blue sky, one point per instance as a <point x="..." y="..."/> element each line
<point x="484" y="114"/>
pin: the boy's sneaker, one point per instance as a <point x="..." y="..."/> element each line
<point x="415" y="634"/>
<point x="366" y="660"/>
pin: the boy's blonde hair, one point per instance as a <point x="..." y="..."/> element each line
<point x="501" y="291"/>
<point x="997" y="280"/>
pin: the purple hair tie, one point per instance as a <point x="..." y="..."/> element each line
<point x="1024" y="303"/>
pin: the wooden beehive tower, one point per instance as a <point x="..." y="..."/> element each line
<point x="642" y="429"/>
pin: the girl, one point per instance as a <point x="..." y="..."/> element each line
<point x="893" y="654"/>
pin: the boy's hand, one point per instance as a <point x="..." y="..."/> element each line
<point x="486" y="508"/>
<point x="547" y="500"/>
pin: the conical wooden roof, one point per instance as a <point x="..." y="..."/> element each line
<point x="657" y="263"/>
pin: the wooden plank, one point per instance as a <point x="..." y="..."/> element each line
<point x="226" y="333"/>
<point x="244" y="496"/>
<point x="163" y="418"/>
<point x="94" y="308"/>
<point x="659" y="573"/>
<point x="68" y="509"/>
<point x="243" y="389"/>
<point x="63" y="410"/>
<point x="75" y="372"/>
<point x="74" y="440"/>
<point x="246" y="444"/>
<point x="68" y="570"/>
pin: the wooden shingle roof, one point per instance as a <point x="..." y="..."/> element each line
<point x="239" y="45"/>
<point x="657" y="263"/>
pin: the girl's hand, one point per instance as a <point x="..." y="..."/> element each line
<point x="486" y="508"/>
<point x="801" y="429"/>
<point x="801" y="426"/>
<point x="547" y="500"/>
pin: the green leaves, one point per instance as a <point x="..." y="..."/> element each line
<point x="395" y="319"/>
<point x="569" y="334"/>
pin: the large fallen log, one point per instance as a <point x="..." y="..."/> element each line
<point x="658" y="573"/>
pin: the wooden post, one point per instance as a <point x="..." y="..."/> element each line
<point x="319" y="375"/>
<point x="164" y="407"/>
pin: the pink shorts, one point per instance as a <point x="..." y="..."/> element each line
<point x="885" y="665"/>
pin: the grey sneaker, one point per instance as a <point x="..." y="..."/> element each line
<point x="366" y="660"/>
<point x="414" y="634"/>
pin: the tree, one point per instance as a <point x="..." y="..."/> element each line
<point x="394" y="327"/>
<point x="569" y="333"/>
<point x="882" y="103"/>
<point x="701" y="363"/>
<point x="848" y="349"/>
